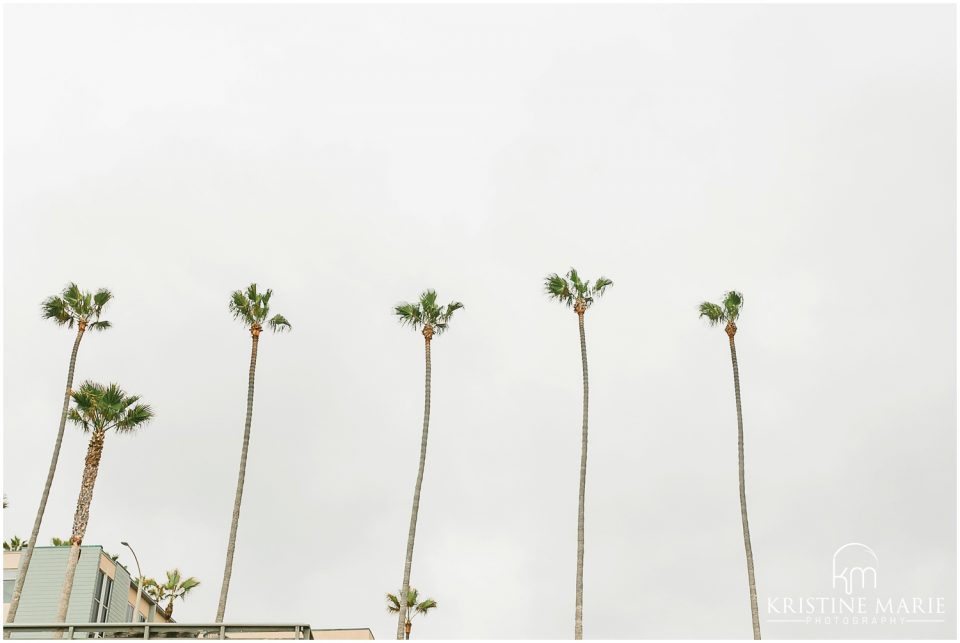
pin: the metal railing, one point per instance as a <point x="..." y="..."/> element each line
<point x="210" y="631"/>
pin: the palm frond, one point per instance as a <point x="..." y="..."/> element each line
<point x="602" y="284"/>
<point x="101" y="298"/>
<point x="425" y="606"/>
<point x="714" y="313"/>
<point x="428" y="300"/>
<point x="558" y="288"/>
<point x="732" y="303"/>
<point x="57" y="310"/>
<point x="240" y="307"/>
<point x="393" y="604"/>
<point x="73" y="295"/>
<point x="100" y="325"/>
<point x="409" y="314"/>
<point x="279" y="323"/>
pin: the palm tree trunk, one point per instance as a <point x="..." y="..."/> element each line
<point x="28" y="554"/>
<point x="80" y="520"/>
<point x="754" y="610"/>
<point x="411" y="535"/>
<point x="232" y="541"/>
<point x="578" y="620"/>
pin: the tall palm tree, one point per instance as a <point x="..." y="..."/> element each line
<point x="413" y="601"/>
<point x="73" y="307"/>
<point x="97" y="409"/>
<point x="14" y="544"/>
<point x="431" y="319"/>
<point x="252" y="308"/>
<point x="579" y="295"/>
<point x="727" y="313"/>
<point x="176" y="587"/>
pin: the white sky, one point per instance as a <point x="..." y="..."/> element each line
<point x="349" y="157"/>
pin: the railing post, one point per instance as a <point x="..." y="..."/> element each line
<point x="223" y="632"/>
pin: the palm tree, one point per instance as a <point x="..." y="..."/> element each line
<point x="431" y="319"/>
<point x="176" y="587"/>
<point x="72" y="307"/>
<point x="413" y="600"/>
<point x="60" y="542"/>
<point x="14" y="544"/>
<point x="727" y="313"/>
<point x="97" y="409"/>
<point x="151" y="588"/>
<point x="580" y="295"/>
<point x="252" y="308"/>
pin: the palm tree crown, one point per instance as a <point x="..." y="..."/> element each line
<point x="14" y="544"/>
<point x="101" y="408"/>
<point x="253" y="309"/>
<point x="726" y="313"/>
<point x="176" y="587"/>
<point x="426" y="313"/>
<point x="574" y="292"/>
<point x="75" y="306"/>
<point x="413" y="601"/>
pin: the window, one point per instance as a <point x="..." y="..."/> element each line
<point x="101" y="598"/>
<point x="129" y="617"/>
<point x="9" y="578"/>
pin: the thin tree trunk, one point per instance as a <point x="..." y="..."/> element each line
<point x="232" y="541"/>
<point x="754" y="610"/>
<point x="578" y="620"/>
<point x="80" y="520"/>
<point x="408" y="563"/>
<point x="28" y="554"/>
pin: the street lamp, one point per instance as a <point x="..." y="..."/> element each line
<point x="136" y="607"/>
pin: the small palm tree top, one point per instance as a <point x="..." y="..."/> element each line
<point x="60" y="542"/>
<point x="727" y="312"/>
<point x="75" y="306"/>
<point x="101" y="408"/>
<point x="413" y="600"/>
<point x="425" y="312"/>
<point x="252" y="308"/>
<point x="570" y="289"/>
<point x="177" y="586"/>
<point x="14" y="544"/>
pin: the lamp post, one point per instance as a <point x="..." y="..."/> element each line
<point x="136" y="607"/>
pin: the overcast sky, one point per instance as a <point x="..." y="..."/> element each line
<point x="349" y="157"/>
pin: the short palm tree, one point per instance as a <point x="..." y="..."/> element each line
<point x="416" y="605"/>
<point x="97" y="410"/>
<point x="151" y="588"/>
<point x="252" y="309"/>
<point x="73" y="307"/>
<point x="727" y="314"/>
<point x="60" y="542"/>
<point x="14" y="544"/>
<point x="176" y="587"/>
<point x="430" y="319"/>
<point x="579" y="295"/>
